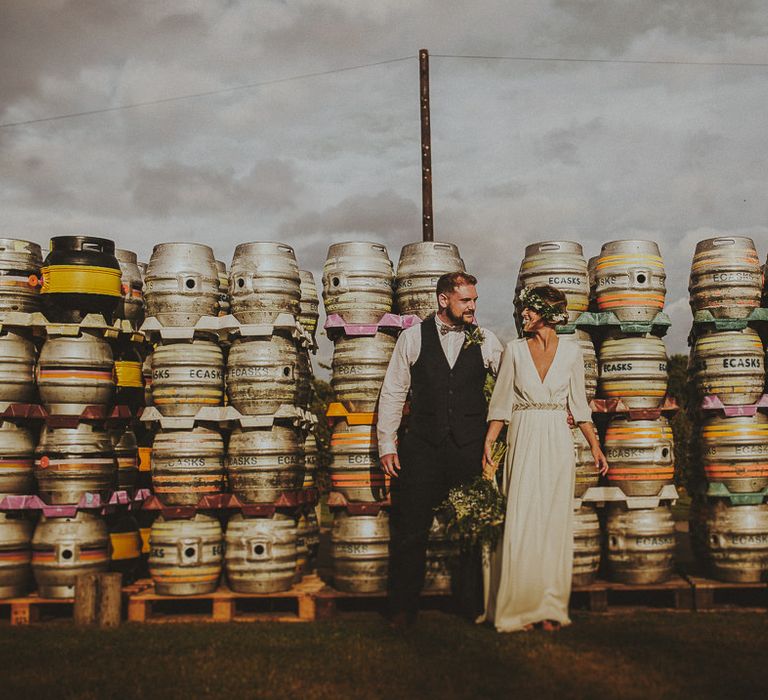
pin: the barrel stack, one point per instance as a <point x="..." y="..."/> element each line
<point x="729" y="516"/>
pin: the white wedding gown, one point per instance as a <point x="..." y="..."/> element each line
<point x="530" y="571"/>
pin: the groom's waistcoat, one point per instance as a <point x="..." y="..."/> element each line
<point x="447" y="400"/>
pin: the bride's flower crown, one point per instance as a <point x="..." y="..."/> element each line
<point x="530" y="300"/>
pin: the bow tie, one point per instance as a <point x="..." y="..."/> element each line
<point x="444" y="330"/>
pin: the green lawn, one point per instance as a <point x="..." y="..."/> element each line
<point x="633" y="655"/>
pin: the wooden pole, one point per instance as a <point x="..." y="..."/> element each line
<point x="86" y="595"/>
<point x="427" y="227"/>
<point x="110" y="599"/>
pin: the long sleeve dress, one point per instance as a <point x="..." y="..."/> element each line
<point x="530" y="571"/>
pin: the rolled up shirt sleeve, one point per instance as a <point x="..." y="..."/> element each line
<point x="492" y="352"/>
<point x="577" y="391"/>
<point x="503" y="398"/>
<point x="394" y="390"/>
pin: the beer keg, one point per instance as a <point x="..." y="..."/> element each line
<point x="70" y="462"/>
<point x="726" y="279"/>
<point x="442" y="553"/>
<point x="65" y="548"/>
<point x="129" y="381"/>
<point x="559" y="264"/>
<point x="641" y="543"/>
<point x="358" y="281"/>
<point x="81" y="276"/>
<point x="20" y="263"/>
<point x="186" y="555"/>
<point x="310" y="461"/>
<point x="586" y="545"/>
<point x="634" y="369"/>
<point x="735" y="451"/>
<point x="262" y="374"/>
<point x="309" y="304"/>
<point x="223" y="307"/>
<point x="263" y="463"/>
<point x="131" y="304"/>
<point x="587" y="475"/>
<point x="17" y="459"/>
<point x="590" y="362"/>
<point x="355" y="470"/>
<point x="187" y="377"/>
<point x="307" y="542"/>
<point x="640" y="454"/>
<point x="15" y="555"/>
<point x="629" y="280"/>
<point x="264" y="282"/>
<point x="181" y="284"/>
<point x="126" y="451"/>
<point x="358" y="368"/>
<point x="124" y="545"/>
<point x="420" y="266"/>
<point x="74" y="372"/>
<point x="360" y="552"/>
<point x="187" y="465"/>
<point x="729" y="365"/>
<point x="17" y="367"/>
<point x="261" y="553"/>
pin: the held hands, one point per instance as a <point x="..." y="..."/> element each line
<point x="600" y="461"/>
<point x="491" y="460"/>
<point x="390" y="463"/>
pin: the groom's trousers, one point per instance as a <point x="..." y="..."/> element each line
<point x="427" y="473"/>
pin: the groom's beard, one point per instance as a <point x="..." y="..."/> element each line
<point x="458" y="320"/>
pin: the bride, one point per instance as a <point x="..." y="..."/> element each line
<point x="541" y="378"/>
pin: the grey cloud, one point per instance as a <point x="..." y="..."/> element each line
<point x="563" y="145"/>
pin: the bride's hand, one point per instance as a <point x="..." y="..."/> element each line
<point x="600" y="461"/>
<point x="489" y="468"/>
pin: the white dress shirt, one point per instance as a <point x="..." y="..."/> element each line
<point x="397" y="380"/>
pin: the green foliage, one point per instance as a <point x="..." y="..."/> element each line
<point x="683" y="423"/>
<point x="475" y="513"/>
<point x="322" y="395"/>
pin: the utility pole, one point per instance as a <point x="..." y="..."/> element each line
<point x="427" y="228"/>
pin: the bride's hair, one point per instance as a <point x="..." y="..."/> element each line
<point x="552" y="297"/>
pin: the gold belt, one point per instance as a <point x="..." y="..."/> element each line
<point x="539" y="407"/>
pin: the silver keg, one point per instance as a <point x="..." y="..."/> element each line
<point x="442" y="552"/>
<point x="586" y="545"/>
<point x="358" y="368"/>
<point x="307" y="542"/>
<point x="634" y="369"/>
<point x="131" y="306"/>
<point x="70" y="462"/>
<point x="187" y="465"/>
<point x="729" y="365"/>
<point x="20" y="263"/>
<point x="17" y="459"/>
<point x="181" y="284"/>
<point x="15" y="555"/>
<point x="263" y="463"/>
<point x="630" y="280"/>
<point x="360" y="552"/>
<point x="309" y="304"/>
<point x="355" y="470"/>
<point x="126" y="450"/>
<point x="223" y="307"/>
<point x="641" y="543"/>
<point x="590" y="362"/>
<point x="587" y="475"/>
<point x="186" y="555"/>
<point x="74" y="372"/>
<point x="261" y="553"/>
<point x="734" y="451"/>
<point x="420" y="266"/>
<point x="264" y="282"/>
<point x="358" y="281"/>
<point x="726" y="279"/>
<point x="187" y="377"/>
<point x="310" y="460"/>
<point x="17" y="367"/>
<point x="65" y="548"/>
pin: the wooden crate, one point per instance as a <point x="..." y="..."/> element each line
<point x="709" y="594"/>
<point x="29" y="608"/>
<point x="601" y="595"/>
<point x="330" y="601"/>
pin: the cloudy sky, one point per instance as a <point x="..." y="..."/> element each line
<point x="523" y="151"/>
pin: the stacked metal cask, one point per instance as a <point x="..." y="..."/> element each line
<point x="729" y="522"/>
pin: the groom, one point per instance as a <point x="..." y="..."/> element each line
<point x="443" y="362"/>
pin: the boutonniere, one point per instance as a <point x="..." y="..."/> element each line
<point x="473" y="336"/>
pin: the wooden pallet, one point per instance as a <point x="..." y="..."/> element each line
<point x="222" y="605"/>
<point x="709" y="594"/>
<point x="601" y="595"/>
<point x="329" y="601"/>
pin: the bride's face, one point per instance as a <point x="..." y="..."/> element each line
<point x="532" y="320"/>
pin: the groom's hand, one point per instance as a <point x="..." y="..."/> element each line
<point x="390" y="464"/>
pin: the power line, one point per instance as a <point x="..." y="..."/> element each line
<point x="208" y="93"/>
<point x="552" y="59"/>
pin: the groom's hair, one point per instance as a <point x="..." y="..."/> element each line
<point x="451" y="281"/>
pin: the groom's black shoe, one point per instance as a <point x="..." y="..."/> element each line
<point x="402" y="620"/>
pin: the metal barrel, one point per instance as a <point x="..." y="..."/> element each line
<point x="129" y="380"/>
<point x="355" y="470"/>
<point x="146" y="375"/>
<point x="307" y="542"/>
<point x="729" y="365"/>
<point x="74" y="372"/>
<point x="17" y="459"/>
<point x="309" y="304"/>
<point x="131" y="305"/>
<point x="126" y="450"/>
<point x="187" y="465"/>
<point x="81" y="276"/>
<point x="442" y="552"/>
<point x="262" y="374"/>
<point x="263" y="463"/>
<point x="559" y="264"/>
<point x="17" y="367"/>
<point x="304" y="378"/>
<point x="735" y="452"/>
<point x="15" y="555"/>
<point x="310" y="461"/>
<point x="187" y="377"/>
<point x="641" y="543"/>
<point x="358" y="281"/>
<point x="264" y="282"/>
<point x="634" y="369"/>
<point x="186" y="555"/>
<point x="70" y="462"/>
<point x="63" y="548"/>
<point x="223" y="307"/>
<point x="587" y="475"/>
<point x="360" y="552"/>
<point x="629" y="280"/>
<point x="261" y="553"/>
<point x="124" y="545"/>
<point x="358" y="368"/>
<point x="420" y="266"/>
<point x="640" y="454"/>
<point x="736" y="541"/>
<point x="590" y="362"/>
<point x="586" y="545"/>
<point x="20" y="263"/>
<point x="181" y="284"/>
<point x="726" y="279"/>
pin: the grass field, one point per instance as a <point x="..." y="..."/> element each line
<point x="635" y="655"/>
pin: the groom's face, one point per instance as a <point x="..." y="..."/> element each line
<point x="460" y="304"/>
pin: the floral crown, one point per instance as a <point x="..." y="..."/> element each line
<point x="530" y="300"/>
